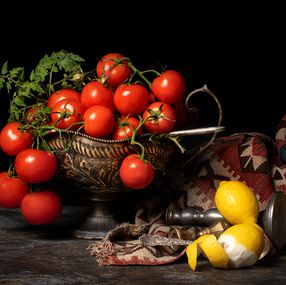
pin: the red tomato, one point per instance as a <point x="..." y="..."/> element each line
<point x="124" y="128"/>
<point x="115" y="72"/>
<point x="98" y="121"/>
<point x="131" y="99"/>
<point x="135" y="172"/>
<point x="95" y="94"/>
<point x="40" y="208"/>
<point x="12" y="140"/>
<point x="35" y="113"/>
<point x="162" y="118"/>
<point x="61" y="95"/>
<point x="35" y="166"/>
<point x="152" y="98"/>
<point x="31" y="114"/>
<point x="169" y="87"/>
<point x="3" y="175"/>
<point x="71" y="111"/>
<point x="12" y="191"/>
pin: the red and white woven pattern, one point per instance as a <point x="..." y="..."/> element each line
<point x="252" y="158"/>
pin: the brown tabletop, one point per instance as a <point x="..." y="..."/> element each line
<point x="50" y="255"/>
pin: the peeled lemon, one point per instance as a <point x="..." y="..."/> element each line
<point x="236" y="202"/>
<point x="243" y="244"/>
<point x="238" y="246"/>
<point x="208" y="244"/>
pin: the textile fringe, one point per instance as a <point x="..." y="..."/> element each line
<point x="101" y="250"/>
<point x="105" y="248"/>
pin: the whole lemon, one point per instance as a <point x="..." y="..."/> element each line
<point x="236" y="202"/>
<point x="243" y="244"/>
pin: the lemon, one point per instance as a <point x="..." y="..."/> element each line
<point x="238" y="246"/>
<point x="192" y="252"/>
<point x="236" y="202"/>
<point x="214" y="252"/>
<point x="243" y="244"/>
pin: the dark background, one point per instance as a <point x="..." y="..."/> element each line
<point x="237" y="48"/>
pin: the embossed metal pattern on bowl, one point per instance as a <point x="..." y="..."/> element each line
<point x="93" y="164"/>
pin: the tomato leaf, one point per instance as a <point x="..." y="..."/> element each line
<point x="17" y="74"/>
<point x="55" y="69"/>
<point x="52" y="72"/>
<point x="2" y="82"/>
<point x="4" y="68"/>
<point x="36" y="87"/>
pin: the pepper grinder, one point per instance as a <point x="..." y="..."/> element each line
<point x="190" y="216"/>
<point x="272" y="219"/>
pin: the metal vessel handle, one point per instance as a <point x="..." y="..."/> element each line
<point x="197" y="131"/>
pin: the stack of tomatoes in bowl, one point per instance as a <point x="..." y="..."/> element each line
<point x="115" y="101"/>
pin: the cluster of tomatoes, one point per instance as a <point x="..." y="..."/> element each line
<point x="112" y="106"/>
<point x="31" y="166"/>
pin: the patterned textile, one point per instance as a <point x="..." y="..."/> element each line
<point x="253" y="158"/>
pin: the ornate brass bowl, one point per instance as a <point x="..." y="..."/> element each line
<point x="92" y="166"/>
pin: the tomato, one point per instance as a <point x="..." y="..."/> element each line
<point x="169" y="87"/>
<point x="115" y="72"/>
<point x="152" y="98"/>
<point x="61" y="95"/>
<point x="12" y="140"/>
<point x="124" y="128"/>
<point x="37" y="115"/>
<point x="43" y="207"/>
<point x="12" y="191"/>
<point x="136" y="173"/>
<point x="95" y="94"/>
<point x="35" y="166"/>
<point x="71" y="112"/>
<point x="162" y="118"/>
<point x="3" y="175"/>
<point x="98" y="121"/>
<point x="131" y="99"/>
<point x="31" y="114"/>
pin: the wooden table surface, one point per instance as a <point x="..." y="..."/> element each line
<point x="50" y="255"/>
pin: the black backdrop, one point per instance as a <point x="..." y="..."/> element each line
<point x="237" y="48"/>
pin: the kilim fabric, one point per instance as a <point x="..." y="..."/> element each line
<point x="252" y="158"/>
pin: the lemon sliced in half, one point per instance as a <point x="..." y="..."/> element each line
<point x="210" y="247"/>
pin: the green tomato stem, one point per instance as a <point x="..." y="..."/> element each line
<point x="50" y="78"/>
<point x="140" y="73"/>
<point x="134" y="134"/>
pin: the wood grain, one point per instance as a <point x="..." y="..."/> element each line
<point x="50" y="255"/>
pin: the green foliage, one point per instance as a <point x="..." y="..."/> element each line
<point x="53" y="72"/>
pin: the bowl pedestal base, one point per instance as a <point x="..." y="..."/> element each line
<point x="98" y="222"/>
